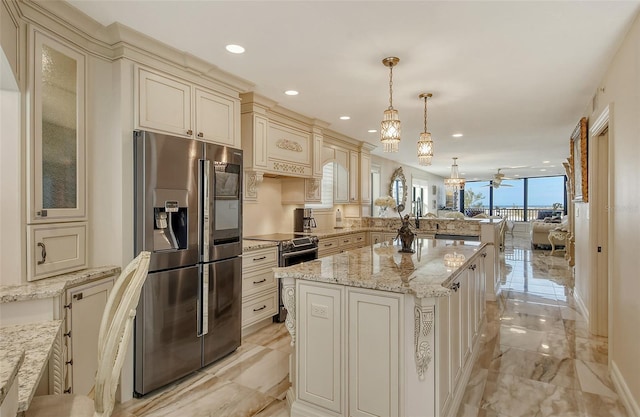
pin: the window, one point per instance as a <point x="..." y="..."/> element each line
<point x="517" y="199"/>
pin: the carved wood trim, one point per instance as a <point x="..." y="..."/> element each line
<point x="423" y="320"/>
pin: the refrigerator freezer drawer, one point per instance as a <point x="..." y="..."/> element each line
<point x="166" y="343"/>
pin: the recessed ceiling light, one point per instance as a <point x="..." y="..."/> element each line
<point x="457" y="135"/>
<point x="345" y="117"/>
<point x="372" y="131"/>
<point x="545" y="162"/>
<point x="517" y="175"/>
<point x="235" y="49"/>
<point x="291" y="93"/>
<point x="543" y="169"/>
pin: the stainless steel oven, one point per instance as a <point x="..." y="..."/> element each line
<point x="292" y="250"/>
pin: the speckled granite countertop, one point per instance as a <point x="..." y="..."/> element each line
<point x="382" y="267"/>
<point x="34" y="341"/>
<point x="249" y="245"/>
<point x="9" y="366"/>
<point x="54" y="286"/>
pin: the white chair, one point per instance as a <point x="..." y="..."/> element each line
<point x="115" y="333"/>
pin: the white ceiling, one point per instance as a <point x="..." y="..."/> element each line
<point x="513" y="77"/>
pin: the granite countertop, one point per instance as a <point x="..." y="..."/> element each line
<point x="249" y="245"/>
<point x="382" y="267"/>
<point x="34" y="342"/>
<point x="54" y="286"/>
<point x="9" y="366"/>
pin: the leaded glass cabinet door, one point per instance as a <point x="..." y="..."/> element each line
<point x="58" y="140"/>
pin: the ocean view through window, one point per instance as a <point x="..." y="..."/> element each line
<point x="516" y="199"/>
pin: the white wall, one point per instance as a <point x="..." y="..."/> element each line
<point x="387" y="167"/>
<point x="621" y="92"/>
<point x="11" y="197"/>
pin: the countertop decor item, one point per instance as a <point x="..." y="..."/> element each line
<point x="384" y="203"/>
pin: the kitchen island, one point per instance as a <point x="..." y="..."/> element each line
<point x="382" y="333"/>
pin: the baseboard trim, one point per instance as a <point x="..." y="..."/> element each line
<point x="581" y="306"/>
<point x="624" y="392"/>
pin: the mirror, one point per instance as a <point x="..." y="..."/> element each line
<point x="398" y="187"/>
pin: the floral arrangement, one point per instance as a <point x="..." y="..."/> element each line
<point x="385" y="202"/>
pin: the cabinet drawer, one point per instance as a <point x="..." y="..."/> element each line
<point x="328" y="244"/>
<point x="258" y="281"/>
<point x="345" y="241"/>
<point x="259" y="308"/>
<point x="359" y="240"/>
<point x="56" y="248"/>
<point x="261" y="258"/>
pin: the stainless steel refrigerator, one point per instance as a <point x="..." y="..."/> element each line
<point x="188" y="214"/>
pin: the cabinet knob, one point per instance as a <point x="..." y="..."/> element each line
<point x="189" y="132"/>
<point x="200" y="135"/>
<point x="43" y="253"/>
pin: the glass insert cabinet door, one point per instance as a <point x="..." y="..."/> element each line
<point x="58" y="141"/>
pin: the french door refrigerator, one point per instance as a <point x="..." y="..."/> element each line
<point x="188" y="214"/>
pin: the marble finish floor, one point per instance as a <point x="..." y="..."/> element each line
<point x="252" y="381"/>
<point x="537" y="359"/>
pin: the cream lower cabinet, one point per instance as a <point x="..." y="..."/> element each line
<point x="335" y="324"/>
<point x="362" y="352"/>
<point x="259" y="287"/>
<point x="83" y="309"/>
<point x="328" y="246"/>
<point x="379" y="237"/>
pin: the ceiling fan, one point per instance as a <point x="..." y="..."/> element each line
<point x="497" y="180"/>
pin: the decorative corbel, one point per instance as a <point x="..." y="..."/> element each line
<point x="289" y="302"/>
<point x="253" y="179"/>
<point x="422" y="337"/>
<point x="312" y="187"/>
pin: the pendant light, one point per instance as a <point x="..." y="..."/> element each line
<point x="425" y="144"/>
<point x="454" y="181"/>
<point x="390" y="125"/>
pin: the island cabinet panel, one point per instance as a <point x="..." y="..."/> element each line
<point x="373" y="352"/>
<point x="443" y="349"/>
<point x="455" y="339"/>
<point x="465" y="325"/>
<point x="320" y="338"/>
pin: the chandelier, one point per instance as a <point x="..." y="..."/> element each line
<point x="454" y="181"/>
<point x="425" y="144"/>
<point x="390" y="125"/>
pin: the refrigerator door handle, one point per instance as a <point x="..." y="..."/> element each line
<point x="205" y="198"/>
<point x="203" y="310"/>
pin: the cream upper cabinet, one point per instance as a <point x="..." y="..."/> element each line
<point x="57" y="146"/>
<point x="217" y="119"/>
<point x="353" y="176"/>
<point x="164" y="104"/>
<point x="365" y="178"/>
<point x="341" y="176"/>
<point x="173" y="106"/>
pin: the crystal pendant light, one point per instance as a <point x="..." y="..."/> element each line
<point x="425" y="144"/>
<point x="390" y="125"/>
<point x="454" y="181"/>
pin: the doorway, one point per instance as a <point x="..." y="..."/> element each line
<point x="599" y="225"/>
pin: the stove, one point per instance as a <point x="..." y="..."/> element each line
<point x="293" y="248"/>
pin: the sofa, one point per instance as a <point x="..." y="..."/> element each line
<point x="540" y="229"/>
